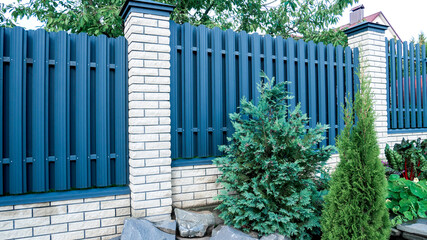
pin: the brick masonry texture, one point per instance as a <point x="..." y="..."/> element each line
<point x="394" y="138"/>
<point x="94" y="218"/>
<point x="149" y="115"/>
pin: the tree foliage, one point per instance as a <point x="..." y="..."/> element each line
<point x="307" y="19"/>
<point x="94" y="17"/>
<point x="270" y="166"/>
<point x="355" y="205"/>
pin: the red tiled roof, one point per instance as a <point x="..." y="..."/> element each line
<point x="369" y="18"/>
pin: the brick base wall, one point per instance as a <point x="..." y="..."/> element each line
<point x="194" y="186"/>
<point x="397" y="137"/>
<point x="89" y="218"/>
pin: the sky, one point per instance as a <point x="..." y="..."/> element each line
<point x="406" y="17"/>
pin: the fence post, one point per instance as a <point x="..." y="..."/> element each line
<point x="147" y="31"/>
<point x="370" y="39"/>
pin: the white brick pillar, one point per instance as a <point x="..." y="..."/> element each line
<point x="370" y="39"/>
<point x="147" y="31"/>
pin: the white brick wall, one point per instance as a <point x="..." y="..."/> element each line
<point x="89" y="218"/>
<point x="194" y="185"/>
<point x="397" y="137"/>
<point x="149" y="115"/>
<point x="372" y="50"/>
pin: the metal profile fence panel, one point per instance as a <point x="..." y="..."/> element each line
<point x="63" y="116"/>
<point x="406" y="85"/>
<point x="211" y="70"/>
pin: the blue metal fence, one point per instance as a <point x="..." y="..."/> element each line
<point x="211" y="70"/>
<point x="407" y="87"/>
<point x="63" y="111"/>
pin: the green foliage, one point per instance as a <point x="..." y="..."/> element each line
<point x="307" y="18"/>
<point x="355" y="205"/>
<point x="4" y="21"/>
<point x="406" y="199"/>
<point x="271" y="168"/>
<point x="408" y="159"/>
<point x="394" y="161"/>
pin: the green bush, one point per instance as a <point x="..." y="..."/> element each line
<point x="355" y="205"/>
<point x="271" y="167"/>
<point x="408" y="159"/>
<point x="406" y="199"/>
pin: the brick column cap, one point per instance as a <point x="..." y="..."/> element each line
<point x="145" y="6"/>
<point x="365" y="26"/>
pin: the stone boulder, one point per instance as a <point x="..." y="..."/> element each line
<point x="223" y="232"/>
<point x="167" y="226"/>
<point x="193" y="224"/>
<point x="417" y="227"/>
<point x="143" y="229"/>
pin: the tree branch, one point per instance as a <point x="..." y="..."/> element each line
<point x="205" y="14"/>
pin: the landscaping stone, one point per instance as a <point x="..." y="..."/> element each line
<point x="197" y="238"/>
<point x="223" y="232"/>
<point x="411" y="236"/>
<point x="274" y="236"/>
<point x="395" y="232"/>
<point x="143" y="229"/>
<point x="193" y="224"/>
<point x="167" y="226"/>
<point x="417" y="227"/>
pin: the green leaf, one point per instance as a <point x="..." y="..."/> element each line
<point x="422" y="213"/>
<point x="394" y="177"/>
<point x="418" y="191"/>
<point x="408" y="215"/>
<point x="404" y="195"/>
<point x="404" y="202"/>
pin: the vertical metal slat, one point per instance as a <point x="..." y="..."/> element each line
<point x="203" y="94"/>
<point x="16" y="110"/>
<point x="331" y="94"/>
<point x="101" y="112"/>
<point x="312" y="96"/>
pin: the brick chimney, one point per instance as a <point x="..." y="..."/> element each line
<point x="357" y="14"/>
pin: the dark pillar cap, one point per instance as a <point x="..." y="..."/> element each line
<point x="146" y="6"/>
<point x="365" y="26"/>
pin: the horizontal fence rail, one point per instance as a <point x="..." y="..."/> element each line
<point x="406" y="85"/>
<point x="211" y="70"/>
<point x="63" y="116"/>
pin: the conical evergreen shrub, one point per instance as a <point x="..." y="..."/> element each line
<point x="355" y="205"/>
<point x="270" y="170"/>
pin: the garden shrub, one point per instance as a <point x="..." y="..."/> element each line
<point x="406" y="199"/>
<point x="270" y="171"/>
<point x="408" y="159"/>
<point x="355" y="205"/>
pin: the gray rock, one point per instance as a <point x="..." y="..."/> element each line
<point x="395" y="232"/>
<point x="135" y="229"/>
<point x="418" y="227"/>
<point x="274" y="236"/>
<point x="201" y="238"/>
<point x="193" y="224"/>
<point x="228" y="233"/>
<point x="167" y="226"/>
<point x="116" y="238"/>
<point x="411" y="236"/>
